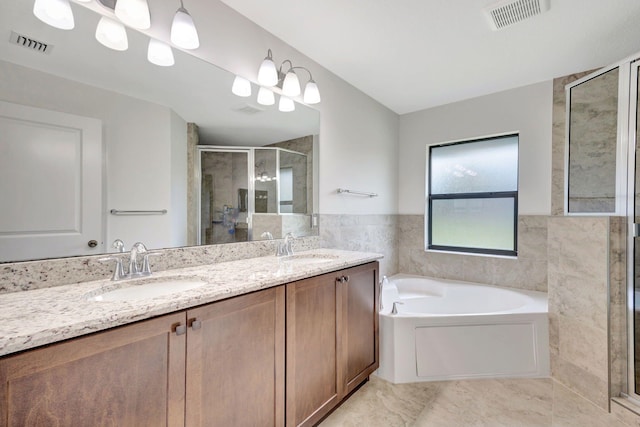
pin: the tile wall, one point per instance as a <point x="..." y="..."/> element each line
<point x="368" y="233"/>
<point x="527" y="271"/>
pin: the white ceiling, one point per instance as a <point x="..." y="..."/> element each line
<point x="414" y="54"/>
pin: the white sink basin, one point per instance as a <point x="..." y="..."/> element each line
<point x="135" y="292"/>
<point x="310" y="259"/>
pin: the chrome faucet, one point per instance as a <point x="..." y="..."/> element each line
<point x="134" y="269"/>
<point x="285" y="248"/>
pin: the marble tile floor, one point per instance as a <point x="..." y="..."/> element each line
<point x="472" y="403"/>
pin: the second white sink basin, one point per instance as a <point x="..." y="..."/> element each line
<point x="310" y="259"/>
<point x="136" y="292"/>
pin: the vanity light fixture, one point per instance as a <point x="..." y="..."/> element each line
<point x="160" y="53"/>
<point x="134" y="13"/>
<point x="286" y="105"/>
<point x="56" y="13"/>
<point x="266" y="96"/>
<point x="268" y="73"/>
<point x="263" y="175"/>
<point x="270" y="76"/>
<point x="241" y="87"/>
<point x="112" y="34"/>
<point x="183" y="30"/>
<point x="286" y="78"/>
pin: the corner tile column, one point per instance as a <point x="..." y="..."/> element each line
<point x="578" y="274"/>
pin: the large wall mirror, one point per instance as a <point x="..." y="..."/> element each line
<point x="98" y="145"/>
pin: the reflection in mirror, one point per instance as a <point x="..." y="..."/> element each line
<point x="147" y="121"/>
<point x="592" y="144"/>
<point x="240" y="202"/>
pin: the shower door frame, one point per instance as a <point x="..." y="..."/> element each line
<point x="633" y="65"/>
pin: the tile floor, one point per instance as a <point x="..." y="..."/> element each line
<point x="476" y="403"/>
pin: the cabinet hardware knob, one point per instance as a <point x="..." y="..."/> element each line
<point x="179" y="329"/>
<point x="92" y="243"/>
<point x="346" y="279"/>
<point x="195" y="324"/>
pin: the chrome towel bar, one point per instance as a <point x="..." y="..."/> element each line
<point x="359" y="193"/>
<point x="119" y="212"/>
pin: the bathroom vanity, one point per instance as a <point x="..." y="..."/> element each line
<point x="260" y="333"/>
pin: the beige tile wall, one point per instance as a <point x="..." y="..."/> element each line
<point x="578" y="315"/>
<point x="369" y="233"/>
<point x="527" y="271"/>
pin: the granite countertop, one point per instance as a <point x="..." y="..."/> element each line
<point x="43" y="316"/>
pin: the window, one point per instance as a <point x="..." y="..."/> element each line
<point x="473" y="196"/>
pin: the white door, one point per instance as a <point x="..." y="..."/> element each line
<point x="50" y="184"/>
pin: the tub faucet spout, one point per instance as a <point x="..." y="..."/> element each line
<point x="394" y="310"/>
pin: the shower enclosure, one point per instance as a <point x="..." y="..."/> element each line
<point x="251" y="193"/>
<point x="603" y="172"/>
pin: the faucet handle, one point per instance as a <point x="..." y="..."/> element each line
<point x="118" y="245"/>
<point x="288" y="240"/>
<point x="118" y="271"/>
<point x="146" y="267"/>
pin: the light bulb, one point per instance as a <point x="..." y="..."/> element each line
<point x="311" y="93"/>
<point x="266" y="97"/>
<point x="134" y="13"/>
<point x="241" y="87"/>
<point x="56" y="13"/>
<point x="286" y="105"/>
<point x="291" y="85"/>
<point x="112" y="34"/>
<point x="267" y="74"/>
<point x="183" y="30"/>
<point x="160" y="53"/>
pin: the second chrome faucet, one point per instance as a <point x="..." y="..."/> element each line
<point x="285" y="247"/>
<point x="134" y="270"/>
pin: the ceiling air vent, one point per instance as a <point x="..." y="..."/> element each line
<point x="506" y="13"/>
<point x="248" y="109"/>
<point x="29" y="43"/>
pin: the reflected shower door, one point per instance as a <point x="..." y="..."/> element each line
<point x="224" y="196"/>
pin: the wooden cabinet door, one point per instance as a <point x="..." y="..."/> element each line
<point x="128" y="376"/>
<point x="235" y="361"/>
<point x="314" y="374"/>
<point x="360" y="293"/>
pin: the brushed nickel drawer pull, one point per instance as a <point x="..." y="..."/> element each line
<point x="195" y="324"/>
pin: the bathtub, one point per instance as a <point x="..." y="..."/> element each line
<point x="446" y="330"/>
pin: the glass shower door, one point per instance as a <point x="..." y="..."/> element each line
<point x="225" y="202"/>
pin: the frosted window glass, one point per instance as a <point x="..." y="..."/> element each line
<point x="473" y="223"/>
<point x="483" y="166"/>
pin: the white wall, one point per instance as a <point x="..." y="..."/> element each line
<point x="178" y="181"/>
<point x="526" y="110"/>
<point x="137" y="138"/>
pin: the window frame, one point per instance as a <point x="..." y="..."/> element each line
<point x="477" y="195"/>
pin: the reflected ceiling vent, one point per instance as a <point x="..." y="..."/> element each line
<point x="30" y="43"/>
<point x="506" y="13"/>
<point x="248" y="109"/>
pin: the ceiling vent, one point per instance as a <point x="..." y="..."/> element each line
<point x="248" y="109"/>
<point x="29" y="43"/>
<point x="506" y="13"/>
